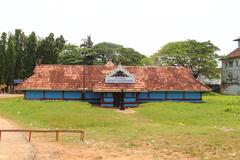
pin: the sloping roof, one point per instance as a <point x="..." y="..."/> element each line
<point x="235" y="53"/>
<point x="92" y="78"/>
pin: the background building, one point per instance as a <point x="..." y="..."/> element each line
<point x="231" y="72"/>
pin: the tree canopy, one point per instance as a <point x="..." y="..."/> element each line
<point x="19" y="54"/>
<point x="201" y="57"/>
<point x="99" y="54"/>
<point x="117" y="53"/>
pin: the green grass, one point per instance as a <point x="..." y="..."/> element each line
<point x="204" y="129"/>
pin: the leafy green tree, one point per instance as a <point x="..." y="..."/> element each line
<point x="87" y="42"/>
<point x="104" y="52"/>
<point x="49" y="49"/>
<point x="46" y="50"/>
<point x="60" y="43"/>
<point x="10" y="60"/>
<point x="3" y="44"/>
<point x="87" y="51"/>
<point x="70" y="55"/>
<point x="118" y="54"/>
<point x="198" y="56"/>
<point x="19" y="43"/>
<point x="29" y="59"/>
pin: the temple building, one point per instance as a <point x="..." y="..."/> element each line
<point x="112" y="85"/>
<point x="231" y="72"/>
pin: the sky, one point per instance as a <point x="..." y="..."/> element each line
<point x="145" y="25"/>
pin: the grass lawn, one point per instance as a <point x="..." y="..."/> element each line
<point x="210" y="129"/>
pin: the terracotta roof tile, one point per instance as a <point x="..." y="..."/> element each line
<point x="78" y="77"/>
<point x="235" y="53"/>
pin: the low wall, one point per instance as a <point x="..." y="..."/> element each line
<point x="230" y="89"/>
<point x="107" y="99"/>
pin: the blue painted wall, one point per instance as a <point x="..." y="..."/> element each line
<point x="92" y="95"/>
<point x="157" y="95"/>
<point x="143" y="95"/>
<point x="192" y="95"/>
<point x="175" y="95"/>
<point x="169" y="96"/>
<point x="53" y="94"/>
<point x="72" y="95"/>
<point x="108" y="99"/>
<point x="34" y="94"/>
<point x="129" y="98"/>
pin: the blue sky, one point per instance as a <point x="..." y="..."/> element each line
<point x="144" y="25"/>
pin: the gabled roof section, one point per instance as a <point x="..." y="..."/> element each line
<point x="92" y="78"/>
<point x="109" y="64"/>
<point x="119" y="68"/>
<point x="235" y="53"/>
<point x="119" y="75"/>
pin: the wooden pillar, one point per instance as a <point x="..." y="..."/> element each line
<point x="29" y="136"/>
<point x="101" y="98"/>
<point x="57" y="135"/>
<point x="62" y="95"/>
<point x="24" y="94"/>
<point x="82" y="137"/>
<point x="137" y="95"/>
<point x="83" y="96"/>
<point x="44" y="95"/>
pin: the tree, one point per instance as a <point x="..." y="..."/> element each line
<point x="29" y="59"/>
<point x="49" y="49"/>
<point x="87" y="52"/>
<point x="118" y="54"/>
<point x="19" y="43"/>
<point x="70" y="55"/>
<point x="87" y="42"/>
<point x="200" y="57"/>
<point x="60" y="42"/>
<point x="3" y="44"/>
<point x="10" y="60"/>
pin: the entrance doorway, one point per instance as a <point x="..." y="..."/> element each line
<point x="118" y="100"/>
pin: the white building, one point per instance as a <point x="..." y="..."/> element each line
<point x="230" y="81"/>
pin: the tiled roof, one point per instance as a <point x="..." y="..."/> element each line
<point x="235" y="53"/>
<point x="92" y="78"/>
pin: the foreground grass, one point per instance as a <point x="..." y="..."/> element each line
<point x="210" y="129"/>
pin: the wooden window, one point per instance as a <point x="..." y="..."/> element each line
<point x="226" y="64"/>
<point x="108" y="95"/>
<point x="130" y="94"/>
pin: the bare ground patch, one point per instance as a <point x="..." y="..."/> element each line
<point x="50" y="150"/>
<point x="10" y="95"/>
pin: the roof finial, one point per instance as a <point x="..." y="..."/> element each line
<point x="109" y="63"/>
<point x="39" y="61"/>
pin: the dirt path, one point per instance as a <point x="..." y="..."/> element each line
<point x="10" y="95"/>
<point x="14" y="146"/>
